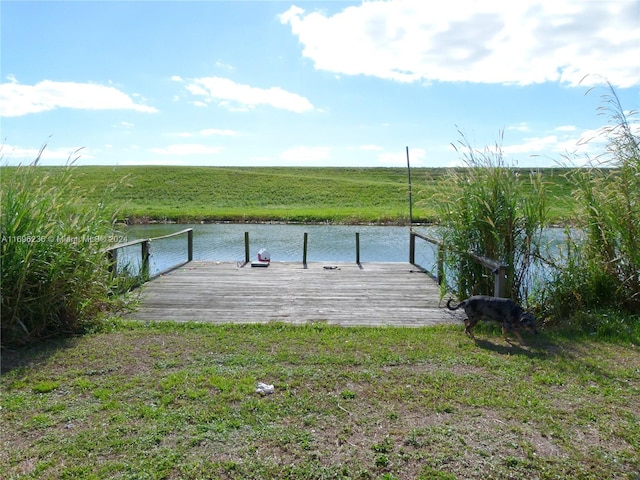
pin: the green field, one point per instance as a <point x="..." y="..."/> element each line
<point x="178" y="401"/>
<point x="254" y="194"/>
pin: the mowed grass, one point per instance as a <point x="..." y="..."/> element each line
<point x="178" y="401"/>
<point x="294" y="194"/>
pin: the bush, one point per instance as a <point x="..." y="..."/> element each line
<point x="55" y="277"/>
<point x="601" y="268"/>
<point x="493" y="210"/>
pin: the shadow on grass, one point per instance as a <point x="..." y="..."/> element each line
<point x="540" y="348"/>
<point x="31" y="355"/>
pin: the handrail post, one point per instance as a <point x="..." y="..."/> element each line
<point x="144" y="269"/>
<point x="246" y="247"/>
<point x="500" y="281"/>
<point x="304" y="250"/>
<point x="190" y="245"/>
<point x="113" y="262"/>
<point x="440" y="267"/>
<point x="412" y="247"/>
<point x="358" y="248"/>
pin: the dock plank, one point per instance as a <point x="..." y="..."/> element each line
<point x="374" y="294"/>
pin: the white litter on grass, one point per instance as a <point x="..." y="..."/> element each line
<point x="264" y="389"/>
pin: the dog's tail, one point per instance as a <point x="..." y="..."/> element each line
<point x="461" y="304"/>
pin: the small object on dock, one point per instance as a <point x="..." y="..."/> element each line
<point x="331" y="267"/>
<point x="263" y="255"/>
<point x="264" y="258"/>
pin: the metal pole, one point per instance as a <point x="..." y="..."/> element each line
<point x="358" y="248"/>
<point x="410" y="200"/>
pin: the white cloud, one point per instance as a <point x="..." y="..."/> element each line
<point x="566" y="128"/>
<point x="493" y="41"/>
<point x="17" y="99"/>
<point x="572" y="142"/>
<point x="241" y="97"/>
<point x="371" y="148"/>
<point x="14" y="154"/>
<point x="417" y="158"/>
<point x="306" y="154"/>
<point x="224" y="66"/>
<point x="533" y="145"/>
<point x="521" y="127"/>
<point x="184" y="149"/>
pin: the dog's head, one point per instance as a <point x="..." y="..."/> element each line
<point x="528" y="322"/>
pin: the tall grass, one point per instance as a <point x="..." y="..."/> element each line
<point x="494" y="210"/>
<point x="601" y="270"/>
<point x="54" y="272"/>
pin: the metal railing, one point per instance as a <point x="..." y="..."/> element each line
<point x="145" y="250"/>
<point x="499" y="270"/>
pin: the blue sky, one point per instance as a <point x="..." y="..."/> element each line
<point x="302" y="83"/>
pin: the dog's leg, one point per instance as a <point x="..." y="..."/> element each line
<point x="505" y="332"/>
<point x="468" y="327"/>
<point x="518" y="336"/>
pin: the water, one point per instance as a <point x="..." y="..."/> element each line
<point x="326" y="243"/>
<point x="225" y="243"/>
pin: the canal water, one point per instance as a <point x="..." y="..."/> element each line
<point x="284" y="242"/>
<point x="224" y="242"/>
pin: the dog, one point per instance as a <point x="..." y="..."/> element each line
<point x="512" y="315"/>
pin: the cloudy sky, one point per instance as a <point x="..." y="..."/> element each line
<point x="333" y="83"/>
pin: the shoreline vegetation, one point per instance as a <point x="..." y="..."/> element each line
<point x="321" y="195"/>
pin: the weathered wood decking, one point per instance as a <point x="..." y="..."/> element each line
<point x="396" y="294"/>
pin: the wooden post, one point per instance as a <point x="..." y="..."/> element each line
<point x="113" y="262"/>
<point x="190" y="245"/>
<point x="144" y="268"/>
<point x="412" y="248"/>
<point x="358" y="248"/>
<point x="500" y="281"/>
<point x="304" y="250"/>
<point x="440" y="267"/>
<point x="246" y="247"/>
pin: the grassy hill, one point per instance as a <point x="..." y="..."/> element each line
<point x="293" y="194"/>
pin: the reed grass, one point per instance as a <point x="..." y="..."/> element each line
<point x="593" y="284"/>
<point x="601" y="268"/>
<point x="54" y="275"/>
<point x="493" y="210"/>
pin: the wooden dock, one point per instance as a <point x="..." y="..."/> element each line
<point x="348" y="294"/>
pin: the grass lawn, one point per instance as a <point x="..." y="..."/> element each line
<point x="179" y="401"/>
<point x="294" y="194"/>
